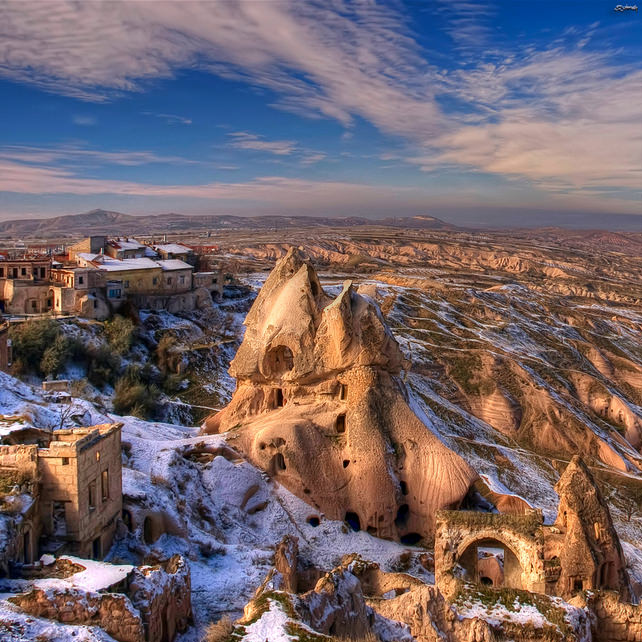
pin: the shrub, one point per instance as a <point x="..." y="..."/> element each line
<point x="120" y="333"/>
<point x="103" y="366"/>
<point x="133" y="397"/>
<point x="55" y="356"/>
<point x="219" y="631"/>
<point x="30" y="340"/>
<point x="167" y="355"/>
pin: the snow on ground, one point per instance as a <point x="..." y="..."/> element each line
<point x="227" y="516"/>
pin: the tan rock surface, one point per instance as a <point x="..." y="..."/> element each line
<point x="320" y="405"/>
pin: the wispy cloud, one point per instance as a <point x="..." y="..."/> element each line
<point x="84" y="121"/>
<point x="71" y="155"/>
<point x="246" y="140"/>
<point x="170" y="119"/>
<point x="563" y="117"/>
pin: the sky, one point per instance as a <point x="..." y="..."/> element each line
<point x="514" y="112"/>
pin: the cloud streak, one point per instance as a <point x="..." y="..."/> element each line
<point x="562" y="118"/>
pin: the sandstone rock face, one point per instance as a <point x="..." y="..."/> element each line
<point x="320" y="406"/>
<point x="591" y="555"/>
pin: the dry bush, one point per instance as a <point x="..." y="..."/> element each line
<point x="219" y="631"/>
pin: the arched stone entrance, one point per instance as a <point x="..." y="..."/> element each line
<point x="491" y="563"/>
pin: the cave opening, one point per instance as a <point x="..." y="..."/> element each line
<point x="353" y="521"/>
<point x="340" y="424"/>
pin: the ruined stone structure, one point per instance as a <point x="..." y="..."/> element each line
<point x="320" y="405"/>
<point x="69" y="493"/>
<point x="580" y="552"/>
<point x="19" y="508"/>
<point x="81" y="497"/>
<point x="151" y="603"/>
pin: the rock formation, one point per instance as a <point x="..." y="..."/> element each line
<point x="591" y="555"/>
<point x="320" y="405"/>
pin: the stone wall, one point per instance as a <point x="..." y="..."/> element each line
<point x="459" y="532"/>
<point x="163" y="598"/>
<point x="614" y="621"/>
<point x="157" y="605"/>
<point x="112" y="612"/>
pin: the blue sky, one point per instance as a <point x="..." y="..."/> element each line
<point x="456" y="109"/>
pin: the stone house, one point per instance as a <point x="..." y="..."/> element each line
<point x="125" y="249"/>
<point x="211" y="281"/>
<point x="177" y="276"/>
<point x="81" y="489"/>
<point x="90" y="245"/>
<point x="19" y="507"/>
<point x="80" y="290"/>
<point x="24" y="285"/>
<point x="170" y="251"/>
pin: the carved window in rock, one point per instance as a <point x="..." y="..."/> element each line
<point x="343" y="392"/>
<point x="340" y="424"/>
<point x="280" y="360"/>
<point x="279" y="400"/>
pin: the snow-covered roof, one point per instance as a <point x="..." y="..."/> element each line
<point x="86" y="256"/>
<point x="120" y="265"/>
<point x="150" y="252"/>
<point x="126" y="244"/>
<point x="174" y="264"/>
<point x="173" y="248"/>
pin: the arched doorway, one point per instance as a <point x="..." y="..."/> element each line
<point x="490" y="562"/>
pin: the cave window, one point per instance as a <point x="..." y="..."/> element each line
<point x="486" y="581"/>
<point x="279" y="401"/>
<point x="410" y="539"/>
<point x="343" y="392"/>
<point x="148" y="532"/>
<point x="402" y="516"/>
<point x="578" y="585"/>
<point x="404" y="487"/>
<point x="340" y="424"/>
<point x="346" y="463"/>
<point x="127" y="519"/>
<point x="353" y="521"/>
<point x="280" y="360"/>
<point x="278" y="463"/>
<point x="314" y="521"/>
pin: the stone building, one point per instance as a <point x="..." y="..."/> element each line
<point x="24" y="285"/>
<point x="81" y="489"/>
<point x="19" y="507"/>
<point x="74" y="499"/>
<point x="581" y="551"/>
<point x="211" y="281"/>
<point x="125" y="249"/>
<point x="90" y="245"/>
<point x="176" y="251"/>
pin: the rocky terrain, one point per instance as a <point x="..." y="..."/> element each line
<point x="469" y="371"/>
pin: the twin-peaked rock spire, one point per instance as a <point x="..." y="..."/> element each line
<point x="320" y="406"/>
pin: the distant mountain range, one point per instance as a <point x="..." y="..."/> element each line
<point x="115" y="223"/>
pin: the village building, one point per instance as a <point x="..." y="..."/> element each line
<point x="90" y="245"/>
<point x="62" y="488"/>
<point x="125" y="249"/>
<point x="24" y="285"/>
<point x="176" y="251"/>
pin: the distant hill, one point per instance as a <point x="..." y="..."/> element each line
<point x="112" y="223"/>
